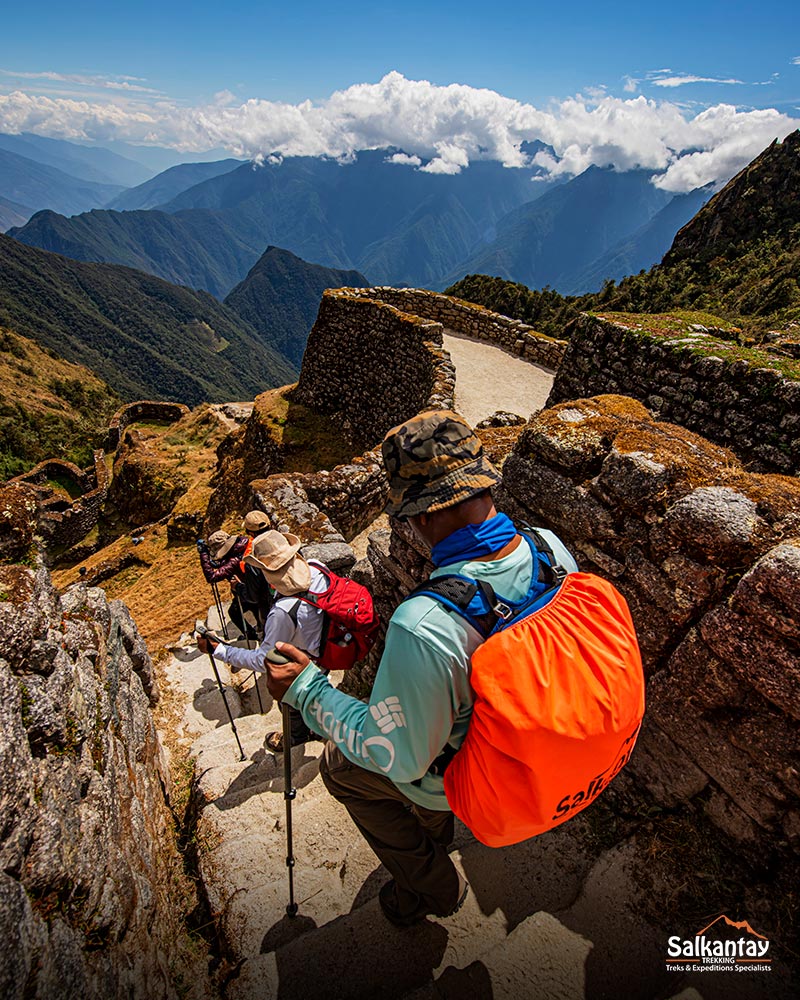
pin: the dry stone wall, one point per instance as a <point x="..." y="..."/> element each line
<point x="472" y="321"/>
<point x="369" y="366"/>
<point x="691" y="378"/>
<point x="708" y="558"/>
<point x="143" y="409"/>
<point x="63" y="523"/>
<point x="86" y="836"/>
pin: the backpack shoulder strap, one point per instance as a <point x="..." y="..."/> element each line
<point x="474" y="600"/>
<point x="551" y="571"/>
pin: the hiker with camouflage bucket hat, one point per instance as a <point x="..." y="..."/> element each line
<point x="384" y="759"/>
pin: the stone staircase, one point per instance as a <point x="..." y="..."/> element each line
<point x="550" y="919"/>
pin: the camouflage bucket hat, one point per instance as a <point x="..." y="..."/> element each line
<point x="434" y="460"/>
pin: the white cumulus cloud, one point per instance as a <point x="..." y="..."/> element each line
<point x="440" y="129"/>
<point x="404" y="160"/>
<point x="681" y="81"/>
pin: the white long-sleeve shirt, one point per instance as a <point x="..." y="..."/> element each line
<point x="280" y="627"/>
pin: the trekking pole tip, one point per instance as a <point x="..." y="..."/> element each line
<point x="291" y="909"/>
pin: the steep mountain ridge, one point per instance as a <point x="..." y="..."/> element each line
<point x="145" y="337"/>
<point x="761" y="201"/>
<point x="280" y="297"/>
<point x="198" y="248"/>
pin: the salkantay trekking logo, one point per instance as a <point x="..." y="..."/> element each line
<point x="716" y="948"/>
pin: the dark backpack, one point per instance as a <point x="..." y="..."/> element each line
<point x="350" y="626"/>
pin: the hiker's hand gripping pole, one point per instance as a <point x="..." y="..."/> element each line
<point x="206" y="644"/>
<point x="280" y="676"/>
<point x="277" y="659"/>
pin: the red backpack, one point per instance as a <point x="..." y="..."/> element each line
<point x="350" y="626"/>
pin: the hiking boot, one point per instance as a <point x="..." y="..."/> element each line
<point x="387" y="897"/>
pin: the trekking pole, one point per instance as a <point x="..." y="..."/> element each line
<point x="288" y="791"/>
<point x="255" y="675"/>
<point x="201" y="630"/>
<point x="220" y="611"/>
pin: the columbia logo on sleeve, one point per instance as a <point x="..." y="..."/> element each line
<point x="388" y="714"/>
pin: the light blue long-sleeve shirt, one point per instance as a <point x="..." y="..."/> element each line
<point x="421" y="699"/>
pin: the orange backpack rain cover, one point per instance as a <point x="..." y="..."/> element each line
<point x="559" y="698"/>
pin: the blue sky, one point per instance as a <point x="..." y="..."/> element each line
<point x="149" y="72"/>
<point x="532" y="52"/>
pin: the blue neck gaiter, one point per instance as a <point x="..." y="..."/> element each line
<point x="474" y="540"/>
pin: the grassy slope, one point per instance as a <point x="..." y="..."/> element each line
<point x="147" y="338"/>
<point x="49" y="408"/>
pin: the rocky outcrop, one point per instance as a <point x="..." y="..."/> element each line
<point x="86" y="835"/>
<point x="691" y="375"/>
<point x="18" y="507"/>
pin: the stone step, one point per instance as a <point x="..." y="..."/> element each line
<point x="359" y="954"/>
<point x="540" y="959"/>
<point x="241" y="830"/>
<point x="190" y="672"/>
<point x="357" y="950"/>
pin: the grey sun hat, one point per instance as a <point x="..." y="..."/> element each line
<point x="277" y="556"/>
<point x="220" y="544"/>
<point x="434" y="460"/>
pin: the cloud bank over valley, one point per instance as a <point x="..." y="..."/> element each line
<point x="440" y="128"/>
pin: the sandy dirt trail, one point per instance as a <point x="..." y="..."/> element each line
<point x="488" y="379"/>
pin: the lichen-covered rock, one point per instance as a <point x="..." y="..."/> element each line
<point x="87" y="849"/>
<point x="714" y="521"/>
<point x="17" y="520"/>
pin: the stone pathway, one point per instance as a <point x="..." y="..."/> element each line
<point x="554" y="918"/>
<point x="489" y="379"/>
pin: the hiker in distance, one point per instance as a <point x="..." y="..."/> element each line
<point x="276" y="557"/>
<point x="384" y="759"/>
<point x="222" y="558"/>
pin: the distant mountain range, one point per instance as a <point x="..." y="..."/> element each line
<point x="144" y="337"/>
<point x="396" y="225"/>
<point x="551" y="241"/>
<point x="737" y="258"/>
<point x="643" y="248"/>
<point x="37" y="185"/>
<point x="169" y="184"/>
<point x="280" y="298"/>
<point x="88" y="163"/>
